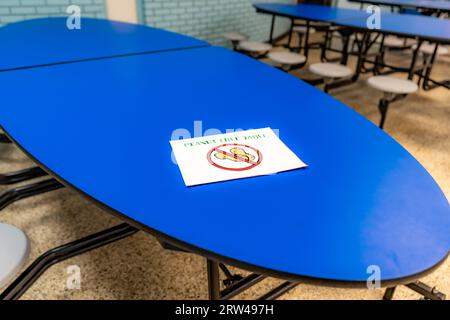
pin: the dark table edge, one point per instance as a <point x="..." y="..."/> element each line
<point x="375" y="2"/>
<point x="122" y="55"/>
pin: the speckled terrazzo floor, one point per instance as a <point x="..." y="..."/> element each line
<point x="138" y="268"/>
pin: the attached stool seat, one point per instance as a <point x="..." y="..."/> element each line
<point x="329" y="72"/>
<point x="393" y="90"/>
<point x="392" y="85"/>
<point x="392" y="42"/>
<point x="14" y="251"/>
<point x="427" y="49"/>
<point x="234" y="37"/>
<point x="301" y="31"/>
<point x="286" y="59"/>
<point x="254" y="47"/>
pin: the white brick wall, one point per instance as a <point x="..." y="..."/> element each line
<point x="16" y="10"/>
<point x="208" y="19"/>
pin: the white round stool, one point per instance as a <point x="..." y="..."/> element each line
<point x="254" y="47"/>
<point x="234" y="37"/>
<point x="14" y="251"/>
<point x="286" y="59"/>
<point x="392" y="89"/>
<point x="329" y="72"/>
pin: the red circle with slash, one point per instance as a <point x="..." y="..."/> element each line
<point x="251" y="163"/>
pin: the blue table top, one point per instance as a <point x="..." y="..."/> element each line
<point x="410" y="25"/>
<point x="48" y="41"/>
<point x="363" y="200"/>
<point x="420" y="4"/>
<point x="310" y="11"/>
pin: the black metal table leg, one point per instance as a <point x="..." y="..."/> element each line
<point x="213" y="279"/>
<point x="306" y="48"/>
<point x="64" y="252"/>
<point x="290" y="34"/>
<point x="241" y="286"/>
<point x="4" y="138"/>
<point x="272" y="26"/>
<point x="27" y="191"/>
<point x="361" y="56"/>
<point x="413" y="60"/>
<point x="21" y="175"/>
<point x="389" y="293"/>
<point x="383" y="106"/>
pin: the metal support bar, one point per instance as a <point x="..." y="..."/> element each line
<point x="168" y="246"/>
<point x="278" y="291"/>
<point x="389" y="293"/>
<point x="230" y="278"/>
<point x="213" y="279"/>
<point x="241" y="286"/>
<point x="27" y="191"/>
<point x="64" y="252"/>
<point x="428" y="292"/>
<point x="21" y="175"/>
<point x="4" y="138"/>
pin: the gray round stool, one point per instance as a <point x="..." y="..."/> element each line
<point x="301" y="32"/>
<point x="393" y="89"/>
<point x="234" y="37"/>
<point x="254" y="48"/>
<point x="286" y="59"/>
<point x="14" y="252"/>
<point x="330" y="72"/>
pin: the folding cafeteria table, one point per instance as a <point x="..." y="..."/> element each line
<point x="423" y="28"/>
<point x="363" y="201"/>
<point x="437" y="6"/>
<point x="307" y="12"/>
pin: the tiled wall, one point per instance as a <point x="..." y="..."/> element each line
<point x="16" y="10"/>
<point x="208" y="19"/>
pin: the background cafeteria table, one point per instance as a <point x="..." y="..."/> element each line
<point x="439" y="5"/>
<point x="423" y="28"/>
<point x="363" y="200"/>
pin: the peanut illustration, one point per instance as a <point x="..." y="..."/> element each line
<point x="239" y="155"/>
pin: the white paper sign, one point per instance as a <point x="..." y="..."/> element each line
<point x="231" y="156"/>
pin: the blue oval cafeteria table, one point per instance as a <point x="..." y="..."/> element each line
<point x="102" y="128"/>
